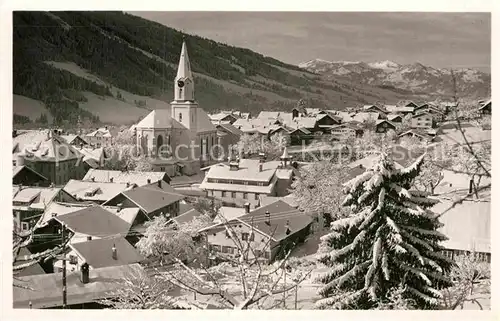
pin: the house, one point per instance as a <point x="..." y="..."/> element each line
<point x="223" y="118"/>
<point x="467" y="226"/>
<point x="99" y="137"/>
<point x="131" y="215"/>
<point x="49" y="155"/>
<point x="92" y="157"/>
<point x="87" y="223"/>
<point x="270" y="231"/>
<point x="99" y="253"/>
<point x="227" y="135"/>
<point x="326" y="121"/>
<point x="24" y="175"/>
<point x="402" y="110"/>
<point x="423" y="120"/>
<point x="410" y="104"/>
<point x="419" y="134"/>
<point x="187" y="213"/>
<point x="309" y="123"/>
<point x="485" y="108"/>
<point x="299" y="136"/>
<point x="96" y="192"/>
<point x="374" y="108"/>
<point x="154" y="199"/>
<point x="383" y="126"/>
<point x="74" y="140"/>
<point x="84" y="287"/>
<point x="346" y="130"/>
<point x="244" y="180"/>
<point x="132" y="177"/>
<point x="395" y="118"/>
<point x="299" y="111"/>
<point x="367" y="117"/>
<point x="344" y="116"/>
<point x="168" y="134"/>
<point x="29" y="203"/>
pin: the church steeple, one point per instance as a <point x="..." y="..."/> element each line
<point x="184" y="82"/>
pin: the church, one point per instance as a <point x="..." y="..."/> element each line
<point x="180" y="138"/>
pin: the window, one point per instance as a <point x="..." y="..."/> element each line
<point x="227" y="249"/>
<point x="223" y="193"/>
<point x="244" y="236"/>
<point x="180" y="117"/>
<point x="256" y="197"/>
<point x="215" y="248"/>
<point x="25" y="226"/>
<point x="233" y="194"/>
<point x="245" y="196"/>
<point x="252" y="236"/>
<point x="227" y="234"/>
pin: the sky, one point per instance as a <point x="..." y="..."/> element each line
<point x="441" y="40"/>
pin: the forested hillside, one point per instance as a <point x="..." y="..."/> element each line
<point x="128" y="59"/>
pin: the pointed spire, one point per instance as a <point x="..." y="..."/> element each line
<point x="184" y="69"/>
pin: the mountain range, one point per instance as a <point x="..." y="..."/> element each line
<point x="113" y="67"/>
<point x="415" y="78"/>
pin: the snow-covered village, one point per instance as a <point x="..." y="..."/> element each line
<point x="157" y="163"/>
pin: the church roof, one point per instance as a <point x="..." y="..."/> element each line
<point x="204" y="124"/>
<point x="184" y="69"/>
<point x="159" y="118"/>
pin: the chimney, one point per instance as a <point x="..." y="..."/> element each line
<point x="268" y="218"/>
<point x="111" y="179"/>
<point x="159" y="183"/>
<point x="92" y="179"/>
<point x="471" y="186"/>
<point x="120" y="206"/>
<point x="260" y="167"/>
<point x="54" y="214"/>
<point x="114" y="253"/>
<point x="262" y="157"/>
<point x="149" y="181"/>
<point x="287" y="227"/>
<point x="84" y="276"/>
<point x="81" y="145"/>
<point x="14" y="133"/>
<point x="234" y="166"/>
<point x="89" y="238"/>
<point x="247" y="208"/>
<point x="128" y="184"/>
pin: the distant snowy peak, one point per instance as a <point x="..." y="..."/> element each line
<point x="415" y="77"/>
<point x="385" y="65"/>
<point x="322" y="62"/>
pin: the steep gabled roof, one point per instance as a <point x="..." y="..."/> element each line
<point x="132" y="177"/>
<point x="231" y="129"/>
<point x="152" y="197"/>
<point x="94" y="221"/>
<point x="159" y="118"/>
<point x="280" y="214"/>
<point x="45" y="290"/>
<point x="97" y="253"/>
<point x="19" y="169"/>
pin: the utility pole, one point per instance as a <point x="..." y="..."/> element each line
<point x="284" y="286"/>
<point x="63" y="227"/>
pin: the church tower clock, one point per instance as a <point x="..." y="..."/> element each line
<point x="184" y="107"/>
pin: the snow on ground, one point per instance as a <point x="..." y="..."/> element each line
<point x="29" y="107"/>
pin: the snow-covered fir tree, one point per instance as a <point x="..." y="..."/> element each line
<point x="390" y="241"/>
